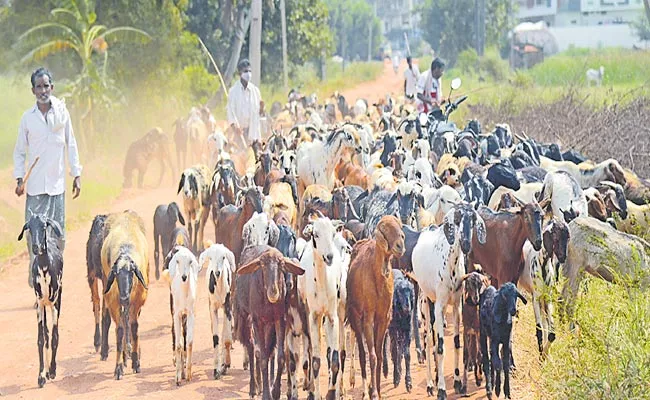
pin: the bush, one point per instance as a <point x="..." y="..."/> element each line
<point x="610" y="356"/>
<point x="522" y="80"/>
<point x="202" y="84"/>
<point x="468" y="61"/>
<point x="493" y="66"/>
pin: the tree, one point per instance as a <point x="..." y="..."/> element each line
<point x="449" y="25"/>
<point x="642" y="28"/>
<point x="350" y="21"/>
<point x="73" y="28"/>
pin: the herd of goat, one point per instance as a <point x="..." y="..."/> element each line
<point x="376" y="222"/>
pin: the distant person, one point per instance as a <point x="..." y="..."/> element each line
<point x="46" y="132"/>
<point x="245" y="106"/>
<point x="396" y="63"/>
<point x="411" y="77"/>
<point x="429" y="94"/>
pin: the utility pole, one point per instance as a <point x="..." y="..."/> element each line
<point x="255" y="44"/>
<point x="479" y="12"/>
<point x="370" y="23"/>
<point x="285" y="66"/>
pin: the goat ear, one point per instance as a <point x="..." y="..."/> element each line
<point x="308" y="231"/>
<point x="197" y="266"/>
<point x="203" y="258"/>
<point x="181" y="183"/>
<point x="292" y="267"/>
<point x="55" y="227"/>
<point x="109" y="281"/>
<point x="172" y="267"/>
<point x="522" y="298"/>
<point x="250" y="267"/>
<point x="138" y="274"/>
<point x="231" y="260"/>
<point x="481" y="230"/>
<point x="178" y="213"/>
<point x="22" y="232"/>
<point x="449" y="228"/>
<point x="274" y="233"/>
<point x="460" y="282"/>
<point x="338" y="225"/>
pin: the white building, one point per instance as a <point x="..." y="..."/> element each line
<point x="585" y="23"/>
<point x="563" y="13"/>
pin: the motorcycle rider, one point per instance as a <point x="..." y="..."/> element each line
<point x="429" y="94"/>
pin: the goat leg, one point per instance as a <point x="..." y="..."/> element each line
<point x="41" y="344"/>
<point x="93" y="282"/>
<point x="55" y="334"/>
<point x="406" y="346"/>
<point x="106" y="325"/>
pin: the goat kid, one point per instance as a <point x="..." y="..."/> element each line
<point x="47" y="273"/>
<point x="183" y="276"/>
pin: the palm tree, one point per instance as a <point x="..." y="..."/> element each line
<point x="73" y="27"/>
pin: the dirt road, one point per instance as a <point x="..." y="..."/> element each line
<point x="81" y="374"/>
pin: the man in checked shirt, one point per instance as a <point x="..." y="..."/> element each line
<point x="46" y="132"/>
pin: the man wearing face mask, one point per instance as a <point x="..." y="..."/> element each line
<point x="245" y="106"/>
<point x="45" y="134"/>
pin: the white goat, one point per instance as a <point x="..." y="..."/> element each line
<point x="422" y="172"/>
<point x="440" y="201"/>
<point x="539" y="275"/>
<point x="324" y="264"/>
<point x="567" y="198"/>
<point x="288" y="162"/>
<point x="183" y="275"/>
<point x="217" y="143"/>
<point x="218" y="276"/>
<point x="260" y="230"/>
<point x="316" y="160"/>
<point x="439" y="268"/>
<point x="596" y="76"/>
<point x="588" y="174"/>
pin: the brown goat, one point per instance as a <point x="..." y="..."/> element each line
<point x="260" y="310"/>
<point x="230" y="220"/>
<point x="124" y="258"/>
<point x="472" y="357"/>
<point x="502" y="255"/>
<point x="370" y="294"/>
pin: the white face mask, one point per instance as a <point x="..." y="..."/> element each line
<point x="247" y="76"/>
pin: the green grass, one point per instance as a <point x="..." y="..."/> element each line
<point x="17" y="99"/>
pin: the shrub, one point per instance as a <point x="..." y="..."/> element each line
<point x="468" y="61"/>
<point x="494" y="67"/>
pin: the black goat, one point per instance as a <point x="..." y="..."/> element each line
<point x="400" y="329"/>
<point x="573" y="156"/>
<point x="503" y="174"/>
<point x="553" y="152"/>
<point x="533" y="174"/>
<point x="47" y="273"/>
<point x="496" y="311"/>
<point x="164" y="222"/>
<point x="95" y="271"/>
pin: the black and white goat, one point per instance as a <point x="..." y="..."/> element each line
<point x="47" y="273"/>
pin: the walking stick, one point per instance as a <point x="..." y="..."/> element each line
<point x="29" y="172"/>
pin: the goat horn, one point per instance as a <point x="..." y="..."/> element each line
<point x="608" y="183"/>
<point x="521" y="139"/>
<point x="520" y="201"/>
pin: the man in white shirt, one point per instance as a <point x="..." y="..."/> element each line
<point x="245" y="107"/>
<point x="46" y="132"/>
<point x="411" y="76"/>
<point x="429" y="95"/>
